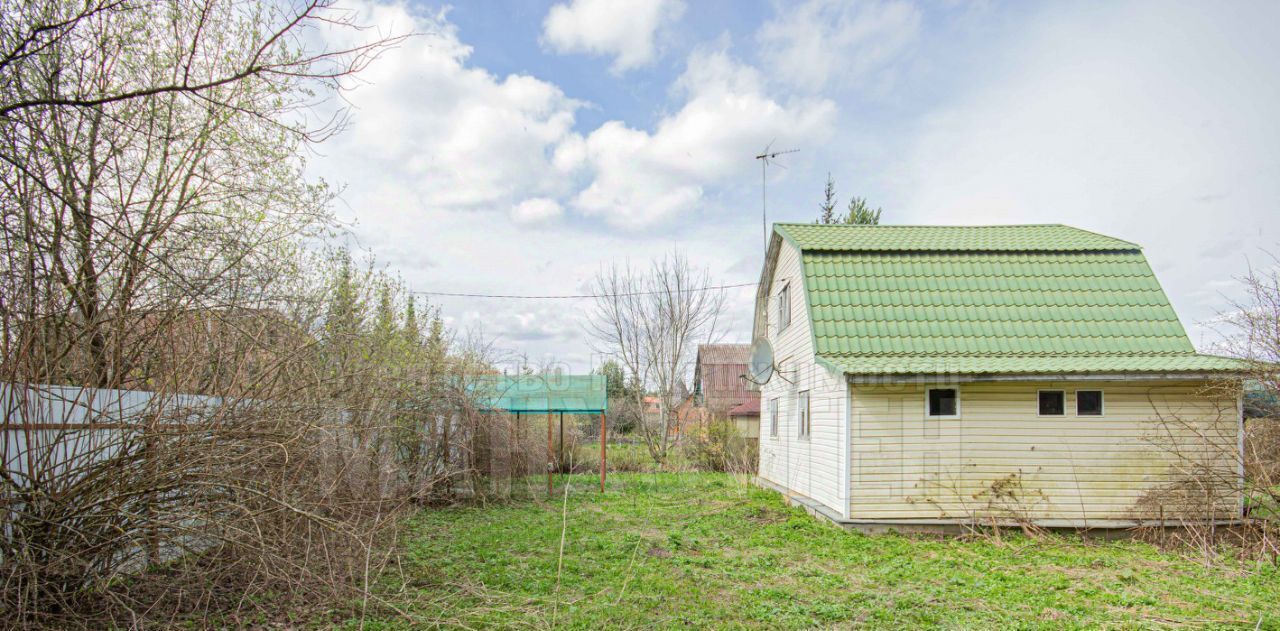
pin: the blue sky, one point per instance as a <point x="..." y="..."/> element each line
<point x="516" y="147"/>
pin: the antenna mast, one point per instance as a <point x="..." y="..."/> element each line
<point x="765" y="158"/>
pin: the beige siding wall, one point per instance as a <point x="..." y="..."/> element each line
<point x="1001" y="458"/>
<point x="814" y="466"/>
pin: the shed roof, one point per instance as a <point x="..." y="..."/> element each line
<point x="987" y="299"/>
<point x="534" y="394"/>
<point x="717" y="354"/>
<point x="750" y="407"/>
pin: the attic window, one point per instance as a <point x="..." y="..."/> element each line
<point x="1088" y="403"/>
<point x="1052" y="403"/>
<point x="784" y="307"/>
<point x="943" y="403"/>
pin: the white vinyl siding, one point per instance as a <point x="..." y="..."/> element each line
<point x="908" y="466"/>
<point x="814" y="467"/>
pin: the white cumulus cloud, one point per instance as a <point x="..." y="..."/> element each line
<point x="445" y="166"/>
<point x="1152" y="128"/>
<point x="624" y="29"/>
<point x="464" y="138"/>
<point x="641" y="178"/>
<point x="825" y="41"/>
<point x="536" y="210"/>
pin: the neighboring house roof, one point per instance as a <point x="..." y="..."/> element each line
<point x="986" y="299"/>
<point x="718" y="375"/>
<point x="716" y="354"/>
<point x="680" y="391"/>
<point x="747" y="408"/>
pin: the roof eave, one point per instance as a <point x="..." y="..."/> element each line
<point x="866" y="378"/>
<point x="767" y="270"/>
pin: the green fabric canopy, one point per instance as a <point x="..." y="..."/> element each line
<point x="540" y="394"/>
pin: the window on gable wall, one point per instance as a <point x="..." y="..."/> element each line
<point x="802" y="414"/>
<point x="1052" y="403"/>
<point x="773" y="417"/>
<point x="784" y="307"/>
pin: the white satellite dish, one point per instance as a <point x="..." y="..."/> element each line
<point x="761" y="361"/>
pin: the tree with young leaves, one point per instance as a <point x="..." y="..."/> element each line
<point x="622" y="392"/>
<point x="151" y="160"/>
<point x="859" y="212"/>
<point x="862" y="214"/>
<point x="827" y="209"/>
<point x="156" y="227"/>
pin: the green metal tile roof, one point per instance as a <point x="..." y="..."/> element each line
<point x="843" y="237"/>
<point x="997" y="299"/>
<point x="536" y="394"/>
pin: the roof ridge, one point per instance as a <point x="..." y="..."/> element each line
<point x="932" y="225"/>
<point x="1105" y="236"/>
<point x="920" y="238"/>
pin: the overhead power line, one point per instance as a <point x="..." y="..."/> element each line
<point x="578" y="296"/>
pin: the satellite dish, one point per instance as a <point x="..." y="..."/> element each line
<point x="761" y="361"/>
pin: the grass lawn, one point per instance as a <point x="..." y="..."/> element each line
<point x="707" y="550"/>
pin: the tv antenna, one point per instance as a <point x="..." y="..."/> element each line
<point x="766" y="158"/>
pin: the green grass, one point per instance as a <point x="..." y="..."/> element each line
<point x="629" y="457"/>
<point x="706" y="550"/>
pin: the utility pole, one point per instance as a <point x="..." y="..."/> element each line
<point x="765" y="158"/>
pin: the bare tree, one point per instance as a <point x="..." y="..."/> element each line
<point x="1252" y="333"/>
<point x="1211" y="472"/>
<point x="651" y="321"/>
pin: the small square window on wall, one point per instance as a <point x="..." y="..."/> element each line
<point x="1088" y="403"/>
<point x="773" y="417"/>
<point x="942" y="402"/>
<point x="1052" y="403"/>
<point x="784" y="307"/>
<point x="802" y="414"/>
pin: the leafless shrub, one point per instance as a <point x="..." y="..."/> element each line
<point x="1251" y="330"/>
<point x="987" y="508"/>
<point x="1229" y="470"/>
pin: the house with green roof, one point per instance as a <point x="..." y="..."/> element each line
<point x="934" y="375"/>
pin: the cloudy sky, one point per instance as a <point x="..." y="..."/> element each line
<point x="516" y="147"/>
